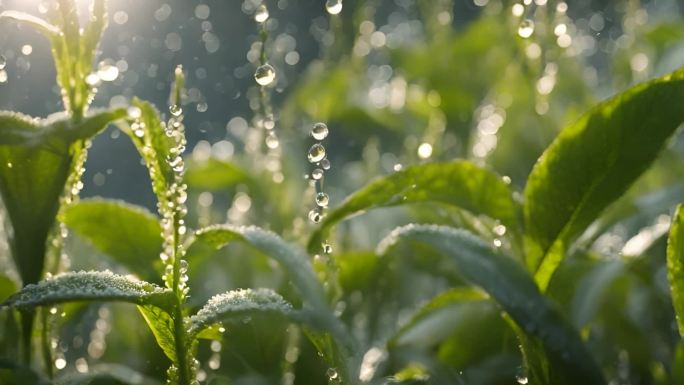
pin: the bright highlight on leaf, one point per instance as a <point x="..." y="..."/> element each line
<point x="675" y="265"/>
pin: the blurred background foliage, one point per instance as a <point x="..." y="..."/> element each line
<point x="398" y="83"/>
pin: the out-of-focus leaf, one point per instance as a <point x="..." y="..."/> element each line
<point x="89" y="286"/>
<point x="35" y="162"/>
<point x="430" y="324"/>
<point x="7" y="287"/>
<point x="129" y="234"/>
<point x="214" y="174"/>
<point x="511" y="286"/>
<point x="593" y="289"/>
<point x="107" y="374"/>
<point x="458" y="183"/>
<point x="12" y="373"/>
<point x="239" y="304"/>
<point x="357" y="270"/>
<point x="592" y="163"/>
<point x="36" y="23"/>
<point x="675" y="265"/>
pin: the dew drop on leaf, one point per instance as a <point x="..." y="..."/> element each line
<point x="316" y="153"/>
<point x="325" y="164"/>
<point x="261" y="14"/>
<point x="265" y="75"/>
<point x="319" y="131"/>
<point x="526" y="28"/>
<point x="333" y="7"/>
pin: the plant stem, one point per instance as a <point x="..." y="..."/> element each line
<point x="178" y="320"/>
<point x="27" y="317"/>
<point x="45" y="341"/>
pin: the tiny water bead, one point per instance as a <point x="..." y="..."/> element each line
<point x="261" y="14"/>
<point x="265" y="74"/>
<point x="3" y="62"/>
<point x="333" y="7"/>
<point x="317" y="174"/>
<point x="322" y="199"/>
<point x="315" y="216"/>
<point x="526" y="28"/>
<point x="327" y="248"/>
<point x="319" y="131"/>
<point x="316" y="153"/>
<point x="175" y="110"/>
<point x="325" y="164"/>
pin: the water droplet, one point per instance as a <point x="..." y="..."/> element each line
<point x="315" y="216"/>
<point x="521" y="379"/>
<point x="60" y="363"/>
<point x="265" y="75"/>
<point x="319" y="131"/>
<point x="327" y="248"/>
<point x="317" y="174"/>
<point x="272" y="141"/>
<point x="322" y="199"/>
<point x="3" y="62"/>
<point x="333" y="7"/>
<point x="316" y="153"/>
<point x="333" y="376"/>
<point x="3" y="76"/>
<point x="134" y="112"/>
<point x="261" y="14"/>
<point x="526" y="28"/>
<point x="325" y="164"/>
<point x="175" y="110"/>
<point x="107" y="72"/>
<point x="425" y="150"/>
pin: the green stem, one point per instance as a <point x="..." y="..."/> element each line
<point x="27" y="317"/>
<point x="180" y="333"/>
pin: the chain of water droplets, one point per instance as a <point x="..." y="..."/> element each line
<point x="265" y="76"/>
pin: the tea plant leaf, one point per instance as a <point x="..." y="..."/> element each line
<point x="35" y="162"/>
<point x="459" y="183"/>
<point x="511" y="286"/>
<point x="592" y="163"/>
<point x="214" y="174"/>
<point x="162" y="326"/>
<point x="239" y="304"/>
<point x="129" y="234"/>
<point x="36" y="23"/>
<point x="294" y="261"/>
<point x="92" y="34"/>
<point x="675" y="265"/>
<point x="89" y="286"/>
<point x="425" y="325"/>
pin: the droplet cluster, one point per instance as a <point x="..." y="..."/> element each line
<point x="318" y="157"/>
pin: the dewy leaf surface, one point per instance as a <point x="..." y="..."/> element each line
<point x="239" y="303"/>
<point x="507" y="282"/>
<point x="129" y="234"/>
<point x="89" y="286"/>
<point x="35" y="162"/>
<point x="675" y="265"/>
<point x="459" y="183"/>
<point x="592" y="163"/>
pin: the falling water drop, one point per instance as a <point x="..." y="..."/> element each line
<point x="333" y="7"/>
<point x="317" y="174"/>
<point x="261" y="14"/>
<point x="322" y="199"/>
<point x="319" y="131"/>
<point x="316" y="153"/>
<point x="526" y="28"/>
<point x="265" y="75"/>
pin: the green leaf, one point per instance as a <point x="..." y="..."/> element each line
<point x="107" y="374"/>
<point x="298" y="266"/>
<point x="36" y="159"/>
<point x="214" y="174"/>
<point x="592" y="163"/>
<point x="511" y="286"/>
<point x="12" y="373"/>
<point x="162" y="326"/>
<point x="36" y="23"/>
<point x="7" y="287"/>
<point x="129" y="234"/>
<point x="239" y="304"/>
<point x="89" y="286"/>
<point x="459" y="183"/>
<point x="430" y="324"/>
<point x="675" y="265"/>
